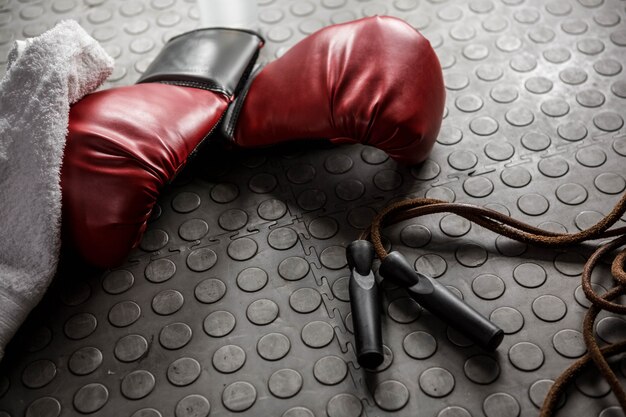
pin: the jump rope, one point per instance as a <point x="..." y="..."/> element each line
<point x="441" y="302"/>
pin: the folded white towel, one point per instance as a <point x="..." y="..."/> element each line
<point x="44" y="76"/>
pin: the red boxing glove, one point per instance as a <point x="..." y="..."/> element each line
<point x="124" y="144"/>
<point x="376" y="81"/>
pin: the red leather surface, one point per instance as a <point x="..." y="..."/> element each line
<point x="376" y="81"/>
<point x="123" y="145"/>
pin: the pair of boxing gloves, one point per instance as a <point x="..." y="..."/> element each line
<point x="376" y="81"/>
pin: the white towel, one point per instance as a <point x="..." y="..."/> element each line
<point x="44" y="76"/>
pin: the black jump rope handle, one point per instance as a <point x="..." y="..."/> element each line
<point x="364" y="302"/>
<point x="442" y="303"/>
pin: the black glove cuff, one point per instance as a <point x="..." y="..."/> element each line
<point x="215" y="59"/>
<point x="229" y="121"/>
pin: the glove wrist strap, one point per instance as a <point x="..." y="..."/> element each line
<point x="229" y="123"/>
<point x="215" y="59"/>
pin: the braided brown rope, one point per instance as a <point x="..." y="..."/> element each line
<point x="520" y="231"/>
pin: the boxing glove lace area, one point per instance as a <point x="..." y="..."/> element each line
<point x="125" y="144"/>
<point x="376" y="81"/>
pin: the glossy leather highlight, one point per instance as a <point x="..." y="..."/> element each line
<point x="122" y="146"/>
<point x="376" y="81"/>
